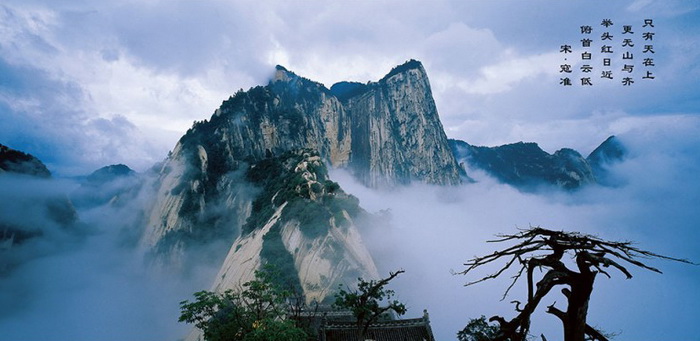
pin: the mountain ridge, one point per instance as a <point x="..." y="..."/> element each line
<point x="250" y="185"/>
<point x="215" y="185"/>
<point x="527" y="167"/>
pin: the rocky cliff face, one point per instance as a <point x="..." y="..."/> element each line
<point x="304" y="224"/>
<point x="213" y="188"/>
<point x="397" y="136"/>
<point x="387" y="132"/>
<point x="199" y="207"/>
<point x="290" y="112"/>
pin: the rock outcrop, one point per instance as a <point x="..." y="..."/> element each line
<point x="397" y="136"/>
<point x="304" y="224"/>
<point x="387" y="132"/>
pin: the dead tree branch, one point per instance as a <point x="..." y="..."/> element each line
<point x="539" y="248"/>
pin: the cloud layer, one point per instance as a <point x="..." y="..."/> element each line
<point x="434" y="230"/>
<point x="87" y="84"/>
<point x="85" y="278"/>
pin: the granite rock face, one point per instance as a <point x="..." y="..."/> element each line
<point x="397" y="136"/>
<point x="212" y="188"/>
<point x="386" y="133"/>
<point x="303" y="223"/>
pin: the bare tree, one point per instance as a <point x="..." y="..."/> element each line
<point x="539" y="248"/>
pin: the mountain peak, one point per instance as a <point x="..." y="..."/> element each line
<point x="285" y="79"/>
<point x="611" y="150"/>
<point x="109" y="173"/>
<point x="346" y="90"/>
<point x="16" y="161"/>
<point x="282" y="74"/>
<point x="390" y="136"/>
<point x="407" y="66"/>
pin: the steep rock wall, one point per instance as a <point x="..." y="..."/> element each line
<point x="220" y="185"/>
<point x="303" y="224"/>
<point x="397" y="136"/>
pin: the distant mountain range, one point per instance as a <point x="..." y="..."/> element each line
<point x="528" y="167"/>
<point x="250" y="185"/>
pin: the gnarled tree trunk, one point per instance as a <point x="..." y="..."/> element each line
<point x="592" y="255"/>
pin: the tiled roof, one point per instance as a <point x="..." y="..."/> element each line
<point x="397" y="330"/>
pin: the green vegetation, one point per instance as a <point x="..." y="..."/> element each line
<point x="12" y="160"/>
<point x="330" y="186"/>
<point x="343" y="91"/>
<point x="274" y="253"/>
<point x="313" y="216"/>
<point x="279" y="184"/>
<point x="348" y="203"/>
<point x="478" y="330"/>
<point x="311" y="203"/>
<point x="267" y="173"/>
<point x="411" y="64"/>
<point x="258" y="312"/>
<point x="365" y="302"/>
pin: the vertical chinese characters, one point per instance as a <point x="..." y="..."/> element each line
<point x="611" y="55"/>
<point x="648" y="37"/>
<point x="565" y="68"/>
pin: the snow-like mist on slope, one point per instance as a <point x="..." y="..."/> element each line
<point x="432" y="231"/>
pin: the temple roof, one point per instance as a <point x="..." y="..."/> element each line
<point x="397" y="330"/>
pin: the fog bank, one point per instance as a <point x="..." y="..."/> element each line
<point x="86" y="279"/>
<point x="432" y="231"/>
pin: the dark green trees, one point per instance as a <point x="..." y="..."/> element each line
<point x="478" y="330"/>
<point x="365" y="302"/>
<point x="257" y="312"/>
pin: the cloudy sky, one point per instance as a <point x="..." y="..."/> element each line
<point x="84" y="84"/>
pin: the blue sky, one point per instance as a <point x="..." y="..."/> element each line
<point x="84" y="84"/>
